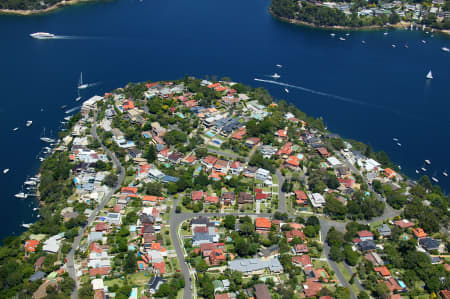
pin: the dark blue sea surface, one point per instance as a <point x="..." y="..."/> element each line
<point x="378" y="92"/>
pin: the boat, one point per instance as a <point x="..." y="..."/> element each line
<point x="444" y="173"/>
<point x="435" y="179"/>
<point x="385" y="33"/>
<point x="42" y="35"/>
<point x="67" y="118"/>
<point x="31" y="183"/>
<point x="417" y="171"/>
<point x="279" y="65"/>
<point x="429" y="75"/>
<point x="46" y="139"/>
<point x="21" y="195"/>
<point x="63" y="106"/>
<point x="77" y="99"/>
<point x="15" y="129"/>
<point x="29" y="123"/>
<point x="35" y="209"/>
<point x="347" y="34"/>
<point x="275" y="76"/>
<point x="6" y="170"/>
<point x="400" y="167"/>
<point x="423" y="169"/>
<point x="393" y="46"/>
<point x="286" y="90"/>
<point x="363" y="41"/>
<point x="406" y="46"/>
<point x="27" y="225"/>
<point x="399" y="144"/>
<point x="80" y="84"/>
<point x="445" y="49"/>
<point x="35" y="179"/>
<point x="428" y="162"/>
<point x="424" y="42"/>
<point x="395" y="139"/>
<point x="333" y="34"/>
<point x="341" y="38"/>
<point x="41" y="159"/>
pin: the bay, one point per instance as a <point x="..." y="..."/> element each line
<point x="378" y="92"/>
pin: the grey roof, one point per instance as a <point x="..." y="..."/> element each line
<point x="270" y="250"/>
<point x="384" y="230"/>
<point x="367" y="245"/>
<point x="251" y="265"/>
<point x="429" y="243"/>
<point x="37" y="276"/>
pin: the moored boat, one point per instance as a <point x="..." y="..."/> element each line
<point x="6" y="170"/>
<point x="29" y="123"/>
<point x="428" y="162"/>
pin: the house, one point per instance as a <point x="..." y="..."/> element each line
<point x="211" y="199"/>
<point x="365" y="235"/>
<point x="291" y="234"/>
<point x="245" y="197"/>
<point x="101" y="227"/>
<point x="301" y="197"/>
<point x="404" y="223"/>
<point x="39" y="262"/>
<point x="419" y="233"/>
<point x="429" y="244"/>
<point x="209" y="161"/>
<point x="221" y="166"/>
<point x="37" y="276"/>
<point x="281" y="134"/>
<point x="154" y="284"/>
<point x="285" y="150"/>
<point x="262" y="174"/>
<point x="300" y="249"/>
<point x="228" y="198"/>
<point x="445" y="294"/>
<point x="252" y="141"/>
<point x="302" y="261"/>
<point x="114" y="218"/>
<point x="270" y="251"/>
<point x="236" y="168"/>
<point x="197" y="195"/>
<point x="216" y="257"/>
<point x="52" y="244"/>
<point x="394" y="285"/>
<point x="311" y="288"/>
<point x="261" y="291"/>
<point x="367" y="245"/>
<point x="102" y="271"/>
<point x="374" y="258"/>
<point x="160" y="268"/>
<point x="382" y="271"/>
<point x="323" y="152"/>
<point x="384" y="230"/>
<point x="317" y="200"/>
<point x="263" y="225"/>
<point x="30" y="245"/>
<point x="255" y="266"/>
<point x="293" y="161"/>
<point x="250" y="171"/>
<point x="205" y="234"/>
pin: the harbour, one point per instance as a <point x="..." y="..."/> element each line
<point x="393" y="99"/>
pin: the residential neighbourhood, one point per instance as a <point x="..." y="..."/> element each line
<point x="205" y="188"/>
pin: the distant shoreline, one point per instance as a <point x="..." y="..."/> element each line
<point x="29" y="12"/>
<point x="400" y="25"/>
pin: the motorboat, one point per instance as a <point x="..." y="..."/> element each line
<point x="428" y="162"/>
<point x="275" y="76"/>
<point x="445" y="49"/>
<point x="15" y="129"/>
<point x="29" y="123"/>
<point x="286" y="90"/>
<point x="42" y="35"/>
<point x="435" y="179"/>
<point x="21" y="195"/>
<point x="5" y="171"/>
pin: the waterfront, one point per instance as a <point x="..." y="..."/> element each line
<point x="155" y="40"/>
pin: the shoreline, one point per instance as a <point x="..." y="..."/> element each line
<point x="401" y="25"/>
<point x="54" y="7"/>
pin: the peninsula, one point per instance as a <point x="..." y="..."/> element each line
<point x="197" y="188"/>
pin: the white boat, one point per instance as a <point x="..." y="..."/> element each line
<point x="42" y="35"/>
<point x="21" y="195"/>
<point x="41" y="159"/>
<point x="417" y="171"/>
<point x="31" y="183"/>
<point x="395" y="139"/>
<point x="275" y="76"/>
<point x="27" y="225"/>
<point x="77" y="99"/>
<point x="363" y="41"/>
<point x="47" y="139"/>
<point x="347" y="34"/>
<point x="80" y="84"/>
<point x="423" y="169"/>
<point x="35" y="179"/>
<point x="399" y="144"/>
<point x="29" y="123"/>
<point x="286" y="90"/>
<point x="428" y="162"/>
<point x="15" y="129"/>
<point x="332" y="34"/>
<point x="424" y="42"/>
<point x="279" y="65"/>
<point x="435" y="179"/>
<point x="445" y="49"/>
<point x="406" y="46"/>
<point x="429" y="75"/>
<point x="5" y="171"/>
<point x="341" y="38"/>
<point x="35" y="209"/>
<point x="444" y="173"/>
<point x="67" y="117"/>
<point x="394" y="46"/>
<point x="385" y="33"/>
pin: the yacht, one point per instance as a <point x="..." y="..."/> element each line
<point x="423" y="169"/>
<point x="46" y="139"/>
<point x="42" y="35"/>
<point x="15" y="129"/>
<point x="435" y="179"/>
<point x="286" y="90"/>
<point x="80" y="84"/>
<point x="417" y="171"/>
<point x="385" y="33"/>
<point x="67" y="117"/>
<point x="347" y="34"/>
<point x="29" y="123"/>
<point x="363" y="42"/>
<point x="29" y="182"/>
<point x="444" y="173"/>
<point x="77" y="99"/>
<point x="394" y="46"/>
<point x="445" y="49"/>
<point x="399" y="144"/>
<point x="341" y="38"/>
<point x="428" y="162"/>
<point x="429" y="75"/>
<point x="395" y="139"/>
<point x="275" y="76"/>
<point x="279" y="65"/>
<point x="35" y="209"/>
<point x="5" y="171"/>
<point x="21" y="195"/>
<point x="332" y="34"/>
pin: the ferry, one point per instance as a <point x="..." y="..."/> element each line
<point x="29" y="123"/>
<point x="275" y="76"/>
<point x="42" y="35"/>
<point x="5" y="171"/>
<point x="445" y="49"/>
<point x="428" y="162"/>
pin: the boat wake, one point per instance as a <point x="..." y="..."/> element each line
<point x="321" y="93"/>
<point x="73" y="109"/>
<point x="94" y="84"/>
<point x="74" y="37"/>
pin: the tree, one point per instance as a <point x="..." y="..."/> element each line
<point x="150" y="153"/>
<point x="130" y="263"/>
<point x="336" y="254"/>
<point x="335" y="208"/>
<point x="229" y="221"/>
<point x="342" y="293"/>
<point x="363" y="295"/>
<point x="111" y="180"/>
<point x="351" y="257"/>
<point x="381" y="290"/>
<point x="335" y="237"/>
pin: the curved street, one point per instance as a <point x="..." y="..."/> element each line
<point x="76" y="243"/>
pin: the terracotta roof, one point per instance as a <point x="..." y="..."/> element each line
<point x="263" y="223"/>
<point x="364" y="234"/>
<point x="300" y="195"/>
<point x="99" y="271"/>
<point x="303" y="260"/>
<point x="197" y="195"/>
<point x="404" y="223"/>
<point x="132" y="190"/>
<point x="419" y="233"/>
<point x="311" y="288"/>
<point x="161" y="267"/>
<point x="30" y="245"/>
<point x="383" y="271"/>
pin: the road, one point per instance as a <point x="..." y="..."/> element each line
<point x="281" y="195"/>
<point x="76" y="243"/>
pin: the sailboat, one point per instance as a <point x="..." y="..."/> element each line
<point x="430" y="75"/>
<point x="79" y="97"/>
<point x="46" y="139"/>
<point x="80" y="84"/>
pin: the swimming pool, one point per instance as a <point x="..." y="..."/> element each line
<point x="209" y="134"/>
<point x="300" y="156"/>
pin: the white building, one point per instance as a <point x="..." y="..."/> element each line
<point x="317" y="200"/>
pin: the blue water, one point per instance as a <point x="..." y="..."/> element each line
<point x="370" y="92"/>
